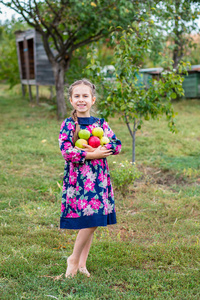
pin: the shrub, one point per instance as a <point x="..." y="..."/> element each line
<point x="123" y="175"/>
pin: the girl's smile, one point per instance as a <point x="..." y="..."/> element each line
<point x="82" y="100"/>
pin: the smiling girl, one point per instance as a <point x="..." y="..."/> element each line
<point x="87" y="199"/>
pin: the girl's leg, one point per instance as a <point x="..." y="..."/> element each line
<point x="83" y="258"/>
<point x="85" y="252"/>
<point x="81" y="240"/>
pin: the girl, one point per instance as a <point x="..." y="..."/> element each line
<point x="87" y="199"/>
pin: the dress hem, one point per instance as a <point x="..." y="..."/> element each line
<point x="88" y="221"/>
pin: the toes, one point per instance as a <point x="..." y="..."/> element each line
<point x="84" y="271"/>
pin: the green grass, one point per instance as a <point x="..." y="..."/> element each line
<point x="152" y="252"/>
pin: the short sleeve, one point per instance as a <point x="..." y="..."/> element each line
<point x="115" y="143"/>
<point x="66" y="143"/>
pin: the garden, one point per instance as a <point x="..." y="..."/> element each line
<point x="151" y="253"/>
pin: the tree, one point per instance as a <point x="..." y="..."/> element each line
<point x="126" y="96"/>
<point x="9" y="69"/>
<point x="177" y="20"/>
<point x="67" y="25"/>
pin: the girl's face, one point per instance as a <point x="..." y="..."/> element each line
<point x="82" y="100"/>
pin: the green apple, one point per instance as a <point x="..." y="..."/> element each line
<point x="84" y="134"/>
<point x="80" y="142"/>
<point x="104" y="140"/>
<point x="98" y="131"/>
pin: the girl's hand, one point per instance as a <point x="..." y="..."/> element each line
<point x="86" y="148"/>
<point x="101" y="152"/>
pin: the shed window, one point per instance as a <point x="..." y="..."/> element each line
<point x="22" y="50"/>
<point x="31" y="59"/>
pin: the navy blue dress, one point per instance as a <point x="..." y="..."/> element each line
<point x="87" y="197"/>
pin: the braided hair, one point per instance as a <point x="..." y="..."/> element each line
<point x="74" y="112"/>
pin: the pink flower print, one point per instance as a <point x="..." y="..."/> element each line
<point x="73" y="178"/>
<point x="68" y="200"/>
<point x="71" y="191"/>
<point x="89" y="185"/>
<point x="108" y="179"/>
<point x="111" y="193"/>
<point x="77" y="188"/>
<point x="95" y="203"/>
<point x="73" y="203"/>
<point x="94" y="162"/>
<point x="108" y="146"/>
<point x="84" y="170"/>
<point x="67" y="145"/>
<point x="70" y="126"/>
<point x="88" y="211"/>
<point x="62" y="137"/>
<point x="91" y="176"/>
<point x="105" y="126"/>
<point x="106" y="209"/>
<point x="64" y="186"/>
<point x="62" y="125"/>
<point x="64" y="154"/>
<point x="101" y="176"/>
<point x="104" y="197"/>
<point x="62" y="207"/>
<point x="118" y="149"/>
<point x="72" y="215"/>
<point x="73" y="156"/>
<point x="102" y="163"/>
<point x="82" y="203"/>
<point x="108" y="133"/>
<point x="71" y="167"/>
<point x="105" y="182"/>
<point x="90" y="128"/>
<point x="110" y="208"/>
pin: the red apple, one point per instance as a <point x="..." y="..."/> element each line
<point x="94" y="141"/>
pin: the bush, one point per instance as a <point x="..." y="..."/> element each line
<point x="123" y="175"/>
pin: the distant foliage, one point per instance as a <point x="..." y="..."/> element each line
<point x="9" y="69"/>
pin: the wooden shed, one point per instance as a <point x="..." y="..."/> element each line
<point x="191" y="83"/>
<point x="34" y="66"/>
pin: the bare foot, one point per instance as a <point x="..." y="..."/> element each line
<point x="84" y="271"/>
<point x="72" y="267"/>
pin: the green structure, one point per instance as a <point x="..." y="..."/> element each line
<point x="191" y="83"/>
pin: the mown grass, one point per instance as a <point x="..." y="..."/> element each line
<point x="151" y="253"/>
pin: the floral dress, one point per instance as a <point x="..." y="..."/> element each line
<point x="87" y="196"/>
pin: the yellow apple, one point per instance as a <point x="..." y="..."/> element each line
<point x="104" y="140"/>
<point x="80" y="142"/>
<point x="98" y="131"/>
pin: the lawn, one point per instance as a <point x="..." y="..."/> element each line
<point x="153" y="252"/>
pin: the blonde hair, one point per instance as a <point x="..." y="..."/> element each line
<point x="74" y="112"/>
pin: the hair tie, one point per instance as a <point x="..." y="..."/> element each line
<point x="76" y="122"/>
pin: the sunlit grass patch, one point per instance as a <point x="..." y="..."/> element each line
<point x="151" y="253"/>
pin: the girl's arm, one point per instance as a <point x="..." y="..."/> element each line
<point x="96" y="153"/>
<point x="69" y="152"/>
<point x="115" y="143"/>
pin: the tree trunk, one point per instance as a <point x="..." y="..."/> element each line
<point x="59" y="74"/>
<point x="133" y="143"/>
